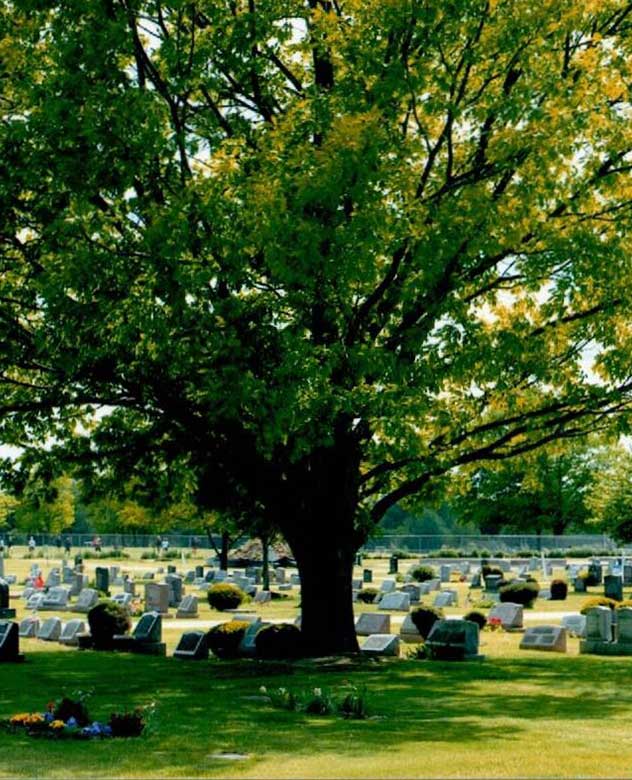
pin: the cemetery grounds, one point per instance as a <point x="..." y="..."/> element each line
<point x="518" y="713"/>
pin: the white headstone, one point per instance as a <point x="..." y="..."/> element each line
<point x="381" y="644"/>
<point x="551" y="638"/>
<point x="372" y="623"/>
<point x="509" y="614"/>
<point x="396" y="601"/>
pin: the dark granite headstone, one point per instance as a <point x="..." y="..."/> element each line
<point x="595" y="571"/>
<point x="5" y="611"/>
<point x="192" y="646"/>
<point x="10" y="642"/>
<point x="453" y="640"/>
<point x="393" y="564"/>
<point x="171" y="569"/>
<point x="102" y="579"/>
<point x="367" y="575"/>
<point x="149" y="628"/>
<point x="199" y="571"/>
<point x="613" y="587"/>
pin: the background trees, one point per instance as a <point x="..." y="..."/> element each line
<point x="308" y="257"/>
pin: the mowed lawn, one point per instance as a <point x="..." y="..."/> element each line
<point x="515" y="714"/>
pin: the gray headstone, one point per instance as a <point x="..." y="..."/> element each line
<point x="551" y="638"/>
<point x="157" y="597"/>
<point x="70" y="632"/>
<point x="388" y="586"/>
<point x="372" y="623"/>
<point x="50" y="629"/>
<point x="56" y="598"/>
<point x="575" y="625"/>
<point x="446" y="598"/>
<point x="397" y="601"/>
<point x="381" y="644"/>
<point x="188" y="607"/>
<point x="129" y="586"/>
<point x="262" y="597"/>
<point x="624" y="625"/>
<point x="413" y="591"/>
<point x="102" y="579"/>
<point x="29" y="627"/>
<point x="174" y="583"/>
<point x="88" y="598"/>
<point x="599" y="624"/>
<point x="367" y="575"/>
<point x="453" y="640"/>
<point x="510" y="615"/>
<point x="445" y="573"/>
<point x="35" y="600"/>
<point x="409" y="632"/>
<point x="492" y="582"/>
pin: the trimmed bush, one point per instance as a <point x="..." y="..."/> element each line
<point x="589" y="579"/>
<point x="422" y="573"/>
<point x="368" y="595"/>
<point x="424" y="619"/>
<point x="524" y="593"/>
<point x="559" y="590"/>
<point x="625" y="603"/>
<point x="224" y="595"/>
<point x="223" y="640"/>
<point x="280" y="640"/>
<point x="598" y="601"/>
<point x="476" y="617"/>
<point x="106" y="619"/>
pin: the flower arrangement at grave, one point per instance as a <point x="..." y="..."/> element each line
<point x="351" y="704"/>
<point x="68" y="718"/>
<point x="494" y="624"/>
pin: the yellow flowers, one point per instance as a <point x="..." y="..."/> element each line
<point x="57" y="724"/>
<point x="27" y="719"/>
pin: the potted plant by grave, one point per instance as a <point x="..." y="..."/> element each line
<point x="106" y="620"/>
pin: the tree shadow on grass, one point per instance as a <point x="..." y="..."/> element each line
<point x="209" y="707"/>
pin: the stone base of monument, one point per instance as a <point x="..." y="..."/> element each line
<point x="601" y="647"/>
<point x="6" y="613"/>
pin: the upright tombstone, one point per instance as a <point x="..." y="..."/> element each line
<point x="56" y="598"/>
<point x="595" y="571"/>
<point x="53" y="579"/>
<point x="624" y="628"/>
<point x="129" y="586"/>
<point x="372" y="623"/>
<point x="123" y="599"/>
<point x="146" y="638"/>
<point x="50" y="629"/>
<point x="263" y="597"/>
<point x="79" y="582"/>
<point x="10" y="642"/>
<point x="511" y="615"/>
<point x="381" y="644"/>
<point x="358" y="559"/>
<point x="445" y="573"/>
<point x="627" y="573"/>
<point x="174" y="582"/>
<point x="598" y="631"/>
<point x="199" y="571"/>
<point x="475" y="582"/>
<point x="409" y="631"/>
<point x="550" y="638"/>
<point x="413" y="591"/>
<point x="388" y="586"/>
<point x="613" y="587"/>
<point x="454" y="640"/>
<point x="445" y="598"/>
<point x="575" y="625"/>
<point x="102" y="579"/>
<point x="5" y="610"/>
<point x="171" y="569"/>
<point x="579" y="584"/>
<point x="29" y="627"/>
<point x="157" y="597"/>
<point x="279" y="575"/>
<point x="492" y="582"/>
<point x="393" y="564"/>
<point x="71" y="631"/>
<point x="1" y="566"/>
<point x="397" y="601"/>
<point x="367" y="575"/>
<point x="188" y="607"/>
<point x="192" y="647"/>
<point x="87" y="599"/>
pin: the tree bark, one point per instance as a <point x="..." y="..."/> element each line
<point x="265" y="574"/>
<point x="327" y="620"/>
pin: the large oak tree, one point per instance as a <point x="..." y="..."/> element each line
<point x="312" y="254"/>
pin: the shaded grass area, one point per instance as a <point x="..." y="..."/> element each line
<point x="532" y="715"/>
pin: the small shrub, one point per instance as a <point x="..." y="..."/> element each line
<point x="598" y="601"/>
<point x="399" y="577"/>
<point x="107" y="619"/>
<point x="448" y="552"/>
<point x="484" y="603"/>
<point x="418" y="652"/>
<point x="368" y="595"/>
<point x="559" y="590"/>
<point x="223" y="640"/>
<point x="476" y="617"/>
<point x="93" y="554"/>
<point x="524" y="593"/>
<point x="422" y="573"/>
<point x="424" y="619"/>
<point x="589" y="578"/>
<point x="354" y="705"/>
<point x="280" y="640"/>
<point x="625" y="603"/>
<point x="224" y="595"/>
<point x="127" y="724"/>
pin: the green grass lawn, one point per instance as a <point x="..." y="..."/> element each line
<point x="515" y="714"/>
<point x="518" y="713"/>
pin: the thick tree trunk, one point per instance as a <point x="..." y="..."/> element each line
<point x="327" y="620"/>
<point x="265" y="573"/>
<point x="223" y="556"/>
